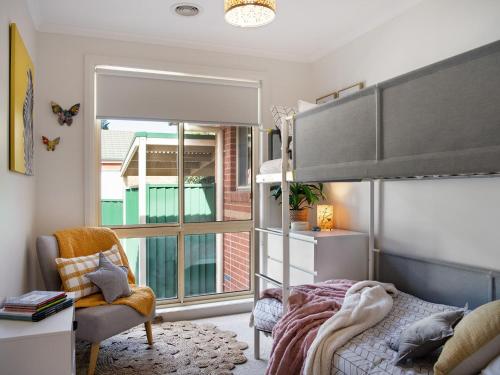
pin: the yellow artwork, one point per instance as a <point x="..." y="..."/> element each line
<point x="21" y="105"/>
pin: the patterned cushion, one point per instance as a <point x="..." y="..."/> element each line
<point x="73" y="271"/>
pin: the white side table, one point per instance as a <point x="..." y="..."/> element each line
<point x="44" y="347"/>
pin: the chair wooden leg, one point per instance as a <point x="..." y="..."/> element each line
<point x="149" y="332"/>
<point x="94" y="352"/>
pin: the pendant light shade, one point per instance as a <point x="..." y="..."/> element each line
<point x="249" y="13"/>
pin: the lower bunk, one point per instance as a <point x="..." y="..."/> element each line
<point x="381" y="347"/>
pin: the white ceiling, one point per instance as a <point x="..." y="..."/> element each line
<point x="304" y="30"/>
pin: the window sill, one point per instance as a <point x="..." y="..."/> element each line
<point x="205" y="310"/>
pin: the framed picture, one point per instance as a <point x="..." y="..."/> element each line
<point x="341" y="93"/>
<point x="21" y="105"/>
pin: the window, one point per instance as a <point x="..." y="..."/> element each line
<point x="244" y="157"/>
<point x="171" y="191"/>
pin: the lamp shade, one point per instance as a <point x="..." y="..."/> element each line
<point x="324" y="216"/>
<point x="249" y="13"/>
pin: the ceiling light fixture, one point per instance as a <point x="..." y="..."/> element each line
<point x="249" y="13"/>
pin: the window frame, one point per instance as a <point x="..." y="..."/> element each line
<point x="248" y="185"/>
<point x="92" y="183"/>
<point x="181" y="229"/>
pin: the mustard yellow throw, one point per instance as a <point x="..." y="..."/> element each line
<point x="87" y="241"/>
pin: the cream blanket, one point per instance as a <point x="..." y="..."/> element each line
<point x="366" y="303"/>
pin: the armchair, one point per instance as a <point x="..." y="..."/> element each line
<point x="94" y="324"/>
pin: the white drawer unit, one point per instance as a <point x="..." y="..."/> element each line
<point x="338" y="254"/>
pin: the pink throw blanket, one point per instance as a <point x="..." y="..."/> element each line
<point x="309" y="307"/>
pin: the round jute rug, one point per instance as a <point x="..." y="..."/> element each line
<point x="181" y="348"/>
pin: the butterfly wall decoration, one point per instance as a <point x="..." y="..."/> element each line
<point x="65" y="116"/>
<point x="51" y="144"/>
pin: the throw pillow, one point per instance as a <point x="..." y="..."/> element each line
<point x="426" y="335"/>
<point x="474" y="344"/>
<point x="493" y="367"/>
<point x="110" y="279"/>
<point x="73" y="271"/>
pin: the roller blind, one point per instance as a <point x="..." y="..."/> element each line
<point x="172" y="98"/>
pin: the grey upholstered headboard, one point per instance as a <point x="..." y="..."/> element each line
<point x="437" y="281"/>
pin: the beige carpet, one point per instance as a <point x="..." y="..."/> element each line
<point x="182" y="348"/>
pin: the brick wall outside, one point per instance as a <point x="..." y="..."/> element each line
<point x="237" y="206"/>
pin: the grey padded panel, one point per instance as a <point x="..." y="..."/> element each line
<point x="441" y="120"/>
<point x="340" y="132"/>
<point x="437" y="282"/>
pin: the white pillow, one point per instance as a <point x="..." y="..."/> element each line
<point x="305" y="106"/>
<point x="493" y="367"/>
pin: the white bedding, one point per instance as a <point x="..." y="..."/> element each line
<point x="273" y="166"/>
<point x="369" y="353"/>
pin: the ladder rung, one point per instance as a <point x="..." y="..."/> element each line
<point x="267" y="278"/>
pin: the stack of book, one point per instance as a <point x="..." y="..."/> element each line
<point x="34" y="306"/>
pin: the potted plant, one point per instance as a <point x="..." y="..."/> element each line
<point x="302" y="197"/>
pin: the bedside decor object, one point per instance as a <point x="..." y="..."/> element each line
<point x="301" y="197"/>
<point x="21" y="105"/>
<point x="249" y="13"/>
<point x="298" y="226"/>
<point x="324" y="216"/>
<point x="65" y="116"/>
<point x="51" y="144"/>
<point x="341" y="93"/>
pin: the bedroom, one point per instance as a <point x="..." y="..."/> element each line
<point x="443" y="221"/>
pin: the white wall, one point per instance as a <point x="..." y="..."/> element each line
<point x="452" y="220"/>
<point x="16" y="190"/>
<point x="60" y="194"/>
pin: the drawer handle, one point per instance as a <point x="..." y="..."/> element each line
<point x="314" y="273"/>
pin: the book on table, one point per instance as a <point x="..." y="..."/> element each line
<point x="34" y="306"/>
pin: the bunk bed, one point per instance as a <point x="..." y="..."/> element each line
<point x="441" y="121"/>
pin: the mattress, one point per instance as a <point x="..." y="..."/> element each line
<point x="266" y="313"/>
<point x="369" y="352"/>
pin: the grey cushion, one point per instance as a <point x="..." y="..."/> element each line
<point x="426" y="335"/>
<point x="101" y="322"/>
<point x="110" y="279"/>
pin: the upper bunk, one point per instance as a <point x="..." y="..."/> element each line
<point x="440" y="120"/>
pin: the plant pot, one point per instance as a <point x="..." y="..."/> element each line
<point x="299" y="215"/>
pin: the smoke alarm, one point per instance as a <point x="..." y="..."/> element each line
<point x="186" y="10"/>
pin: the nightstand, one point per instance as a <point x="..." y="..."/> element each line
<point x="44" y="347"/>
<point x="319" y="256"/>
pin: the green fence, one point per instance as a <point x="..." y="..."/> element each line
<point x="161" y="252"/>
<point x="112" y="211"/>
